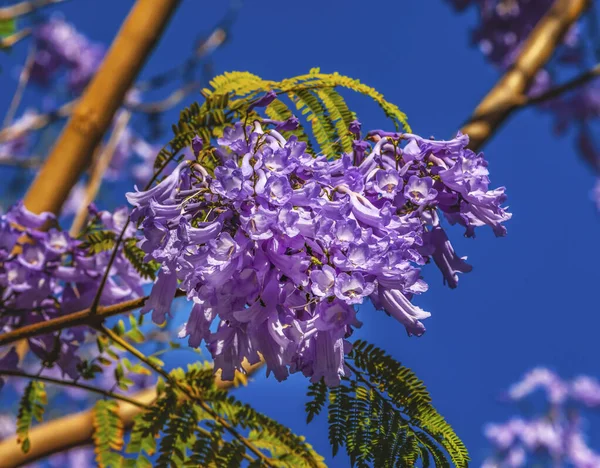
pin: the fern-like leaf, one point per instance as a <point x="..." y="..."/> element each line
<point x="136" y="256"/>
<point x="31" y="407"/>
<point x="108" y="434"/>
<point x="383" y="416"/>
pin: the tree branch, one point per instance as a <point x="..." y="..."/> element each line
<point x="564" y="88"/>
<point x="98" y="170"/>
<point x="508" y="93"/>
<point x="95" y="110"/>
<point x="36" y="123"/>
<point x="65" y="433"/>
<point x="23" y="80"/>
<point x="67" y="383"/>
<point x="163" y="105"/>
<point x="24" y="8"/>
<point x="83" y="317"/>
<point x="9" y="41"/>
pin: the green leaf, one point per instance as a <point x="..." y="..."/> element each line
<point x="382" y="414"/>
<point x="31" y="407"/>
<point x="8" y="27"/>
<point x="108" y="434"/>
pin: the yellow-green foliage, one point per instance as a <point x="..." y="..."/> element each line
<point x="383" y="415"/>
<point x="315" y="95"/>
<point x="108" y="434"/>
<point x="31" y="407"/>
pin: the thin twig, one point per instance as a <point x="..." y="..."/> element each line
<point x="66" y="383"/>
<point x="205" y="47"/>
<point x="83" y="317"/>
<point x="98" y="170"/>
<point x="38" y="122"/>
<point x="564" y="88"/>
<point x="24" y="8"/>
<point x="23" y="80"/>
<point x="163" y="105"/>
<point x="9" y="41"/>
<point x="29" y="163"/>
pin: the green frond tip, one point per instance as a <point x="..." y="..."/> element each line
<point x="95" y="242"/>
<point x="315" y="95"/>
<point x="31" y="407"/>
<point x="383" y="416"/>
<point x="108" y="434"/>
<point x="136" y="256"/>
<point x="198" y="424"/>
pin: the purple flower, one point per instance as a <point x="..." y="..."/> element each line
<point x="197" y="145"/>
<point x="397" y="304"/>
<point x="278" y="246"/>
<point x="283" y="125"/>
<point x="328" y="358"/>
<point x="444" y="256"/>
<point x="264" y="101"/>
<point x="354" y="128"/>
<point x="161" y="296"/>
<point x="387" y="184"/>
<point x="419" y="190"/>
<point x="323" y="281"/>
<point x="59" y="47"/>
<point x="278" y="190"/>
<point x="586" y="390"/>
<point x="352" y="288"/>
<point x="198" y="325"/>
<point x="556" y="434"/>
<point x="540" y="378"/>
<point x="159" y="193"/>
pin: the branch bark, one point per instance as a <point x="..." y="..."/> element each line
<point x="99" y="168"/>
<point x="508" y="94"/>
<point x="24" y="8"/>
<point x="83" y="317"/>
<point x="94" y="111"/>
<point x="9" y="41"/>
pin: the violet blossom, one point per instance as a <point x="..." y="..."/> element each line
<point x="278" y="246"/>
<point x="555" y="437"/>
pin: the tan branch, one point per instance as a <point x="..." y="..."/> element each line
<point x="24" y="8"/>
<point x="508" y="94"/>
<point x="83" y="317"/>
<point x="9" y="41"/>
<point x="94" y="112"/>
<point x="98" y="170"/>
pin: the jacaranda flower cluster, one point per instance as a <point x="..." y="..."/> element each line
<point x="556" y="438"/>
<point x="46" y="274"/>
<point x="278" y="246"/>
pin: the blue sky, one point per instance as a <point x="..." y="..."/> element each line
<point x="531" y="298"/>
